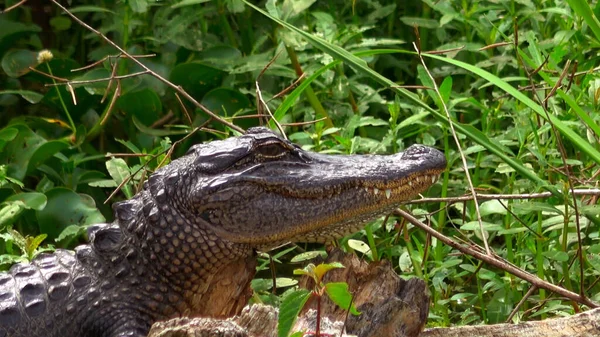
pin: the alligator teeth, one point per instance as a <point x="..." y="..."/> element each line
<point x="388" y="193"/>
<point x="375" y="190"/>
<point x="433" y="179"/>
<point x="367" y="189"/>
<point x="410" y="183"/>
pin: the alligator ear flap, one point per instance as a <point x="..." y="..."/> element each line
<point x="105" y="237"/>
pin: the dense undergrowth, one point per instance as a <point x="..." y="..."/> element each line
<point x="364" y="90"/>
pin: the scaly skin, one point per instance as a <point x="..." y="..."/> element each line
<point x="218" y="204"/>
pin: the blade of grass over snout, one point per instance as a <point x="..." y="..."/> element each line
<point x="577" y="140"/>
<point x="361" y="66"/>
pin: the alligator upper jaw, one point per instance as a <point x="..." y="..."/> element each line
<point x="324" y="198"/>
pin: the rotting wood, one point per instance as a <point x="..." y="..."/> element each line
<point x="390" y="306"/>
<point x="586" y="324"/>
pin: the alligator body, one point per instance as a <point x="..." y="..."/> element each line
<point x="220" y="202"/>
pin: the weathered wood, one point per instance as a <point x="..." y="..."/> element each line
<point x="390" y="306"/>
<point x="586" y="324"/>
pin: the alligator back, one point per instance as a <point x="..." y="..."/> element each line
<point x="28" y="291"/>
<point x="74" y="294"/>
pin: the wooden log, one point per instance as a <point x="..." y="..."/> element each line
<point x="586" y="324"/>
<point x="390" y="306"/>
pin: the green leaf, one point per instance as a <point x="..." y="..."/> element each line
<point x="138" y="6"/>
<point x="30" y="96"/>
<point x="145" y="105"/>
<point x="583" y="9"/>
<point x="16" y="62"/>
<point x="339" y="294"/>
<point x="321" y="269"/>
<point x="359" y="246"/>
<point x="94" y="88"/>
<point x="89" y="9"/>
<point x="30" y="200"/>
<point x="188" y="3"/>
<point x="17" y="153"/>
<point x="33" y="243"/>
<point x="44" y="152"/>
<point x="289" y="310"/>
<point x="197" y="78"/>
<point x="225" y="101"/>
<point x="119" y="171"/>
<point x="60" y="23"/>
<point x="556" y="255"/>
<point x="70" y="232"/>
<point x="9" y="212"/>
<point x="308" y="256"/>
<point x="66" y="208"/>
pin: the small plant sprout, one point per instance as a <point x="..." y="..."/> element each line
<point x="293" y="303"/>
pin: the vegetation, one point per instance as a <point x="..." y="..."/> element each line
<point x="511" y="94"/>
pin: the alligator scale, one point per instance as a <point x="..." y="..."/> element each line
<point x="220" y="202"/>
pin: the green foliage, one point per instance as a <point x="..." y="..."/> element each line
<point x="290" y="307"/>
<point x="293" y="302"/>
<point x="358" y="59"/>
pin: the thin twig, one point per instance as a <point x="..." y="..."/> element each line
<point x="8" y="9"/>
<point x="541" y="195"/>
<point x="119" y="77"/>
<point x="497" y="262"/>
<point x="456" y="140"/>
<point x="154" y="74"/>
<point x="260" y="104"/>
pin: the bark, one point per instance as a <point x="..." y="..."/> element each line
<point x="390" y="306"/>
<point x="586" y="324"/>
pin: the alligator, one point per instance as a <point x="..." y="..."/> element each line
<point x="222" y="201"/>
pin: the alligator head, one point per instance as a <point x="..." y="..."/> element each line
<point x="262" y="190"/>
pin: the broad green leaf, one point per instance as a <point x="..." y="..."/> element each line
<point x="289" y="310"/>
<point x="308" y="256"/>
<point x="556" y="255"/>
<point x="66" y="208"/>
<point x="18" y="152"/>
<point x="44" y="152"/>
<point x="359" y="246"/>
<point x="322" y="269"/>
<point x="30" y="200"/>
<point x="339" y="294"/>
<point x="60" y="23"/>
<point x="138" y="6"/>
<point x="197" y="78"/>
<point x="70" y="232"/>
<point x="89" y="9"/>
<point x="16" y="63"/>
<point x="474" y="226"/>
<point x="94" y="88"/>
<point x="188" y="3"/>
<point x="145" y="105"/>
<point x="30" y="96"/>
<point x="492" y="207"/>
<point x="9" y="212"/>
<point x="119" y="171"/>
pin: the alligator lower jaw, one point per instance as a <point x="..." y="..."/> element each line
<point x="370" y="202"/>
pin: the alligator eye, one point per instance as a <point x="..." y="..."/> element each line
<point x="271" y="150"/>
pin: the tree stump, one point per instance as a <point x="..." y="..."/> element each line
<point x="390" y="306"/>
